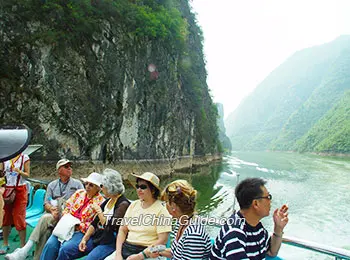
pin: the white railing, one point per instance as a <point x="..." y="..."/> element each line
<point x="338" y="253"/>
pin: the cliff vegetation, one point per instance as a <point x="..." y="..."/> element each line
<point x="107" y="79"/>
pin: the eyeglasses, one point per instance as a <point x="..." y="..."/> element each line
<point x="142" y="186"/>
<point x="268" y="197"/>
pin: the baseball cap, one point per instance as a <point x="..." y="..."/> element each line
<point x="62" y="162"/>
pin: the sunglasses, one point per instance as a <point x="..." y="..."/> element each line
<point x="268" y="197"/>
<point x="141" y="186"/>
<point x="67" y="166"/>
<point x="90" y="184"/>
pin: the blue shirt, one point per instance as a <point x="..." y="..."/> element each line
<point x="57" y="189"/>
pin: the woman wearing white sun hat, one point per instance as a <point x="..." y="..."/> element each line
<point x="82" y="206"/>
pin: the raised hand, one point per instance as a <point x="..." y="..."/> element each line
<point x="280" y="217"/>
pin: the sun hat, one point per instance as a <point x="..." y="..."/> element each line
<point x="94" y="178"/>
<point x="147" y="176"/>
<point x="62" y="162"/>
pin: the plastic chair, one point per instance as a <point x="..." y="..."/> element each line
<point x="33" y="221"/>
<point x="38" y="204"/>
<point x="30" y="196"/>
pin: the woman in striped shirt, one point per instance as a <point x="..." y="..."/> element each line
<point x="191" y="241"/>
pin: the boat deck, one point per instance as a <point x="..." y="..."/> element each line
<point x="14" y="241"/>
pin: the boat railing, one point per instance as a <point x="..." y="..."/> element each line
<point x="338" y="253"/>
<point x="42" y="183"/>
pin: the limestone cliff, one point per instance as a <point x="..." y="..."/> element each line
<point x="93" y="85"/>
<point x="224" y="140"/>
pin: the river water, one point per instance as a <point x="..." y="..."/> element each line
<point x="316" y="189"/>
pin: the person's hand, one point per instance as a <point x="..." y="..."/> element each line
<point x="82" y="245"/>
<point x="118" y="257"/>
<point x="149" y="253"/>
<point x="54" y="212"/>
<point x="138" y="256"/>
<point x="153" y="255"/>
<point x="280" y="218"/>
<point x="17" y="170"/>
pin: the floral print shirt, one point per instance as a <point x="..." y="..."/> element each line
<point x="76" y="201"/>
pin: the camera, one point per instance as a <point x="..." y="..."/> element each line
<point x="157" y="248"/>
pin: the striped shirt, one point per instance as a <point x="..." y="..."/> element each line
<point x="193" y="244"/>
<point x="238" y="240"/>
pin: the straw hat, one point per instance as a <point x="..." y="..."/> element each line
<point x="147" y="176"/>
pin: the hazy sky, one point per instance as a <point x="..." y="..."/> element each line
<point x="246" y="39"/>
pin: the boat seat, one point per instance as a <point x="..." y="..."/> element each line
<point x="30" y="196"/>
<point x="33" y="221"/>
<point x="38" y="204"/>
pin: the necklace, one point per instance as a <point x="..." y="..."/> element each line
<point x="145" y="204"/>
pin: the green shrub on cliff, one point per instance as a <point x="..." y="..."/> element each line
<point x="72" y="19"/>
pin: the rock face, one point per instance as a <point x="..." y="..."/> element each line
<point x="224" y="140"/>
<point x="96" y="98"/>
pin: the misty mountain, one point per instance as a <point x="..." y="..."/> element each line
<point x="292" y="109"/>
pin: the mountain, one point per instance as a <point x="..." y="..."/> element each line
<point x="294" y="101"/>
<point x="107" y="80"/>
<point x="223" y="138"/>
<point x="332" y="132"/>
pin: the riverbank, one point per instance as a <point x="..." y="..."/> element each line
<point x="47" y="170"/>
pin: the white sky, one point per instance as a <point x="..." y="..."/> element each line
<point x="246" y="39"/>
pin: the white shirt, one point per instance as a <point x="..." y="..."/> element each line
<point x="11" y="175"/>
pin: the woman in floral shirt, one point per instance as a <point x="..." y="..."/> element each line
<point x="83" y="204"/>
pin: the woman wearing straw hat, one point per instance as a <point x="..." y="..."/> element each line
<point x="82" y="206"/>
<point x="147" y="222"/>
<point x="191" y="241"/>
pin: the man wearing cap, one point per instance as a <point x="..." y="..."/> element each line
<point x="58" y="191"/>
